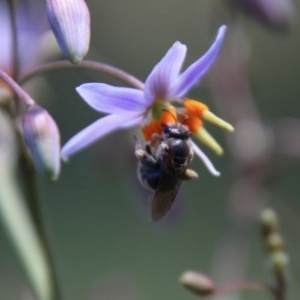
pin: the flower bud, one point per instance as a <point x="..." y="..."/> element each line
<point x="269" y="221"/>
<point x="279" y="261"/>
<point x="198" y="283"/>
<point x="70" y="22"/>
<point x="42" y="137"/>
<point x="277" y="14"/>
<point x="274" y="242"/>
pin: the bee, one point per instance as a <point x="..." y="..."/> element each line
<point x="163" y="165"/>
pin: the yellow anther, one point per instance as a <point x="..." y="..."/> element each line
<point x="212" y="118"/>
<point x="205" y="137"/>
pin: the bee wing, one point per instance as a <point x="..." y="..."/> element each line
<point x="165" y="194"/>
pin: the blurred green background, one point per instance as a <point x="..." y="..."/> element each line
<point x="104" y="243"/>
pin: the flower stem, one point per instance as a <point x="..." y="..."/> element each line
<point x="28" y="174"/>
<point x="243" y="284"/>
<point x="21" y="93"/>
<point x="14" y="34"/>
<point x="280" y="289"/>
<point x="15" y="68"/>
<point x="86" y="64"/>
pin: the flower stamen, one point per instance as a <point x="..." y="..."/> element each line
<point x="206" y="138"/>
<point x="197" y="112"/>
<point x="195" y="107"/>
<point x="201" y="110"/>
<point x="212" y="118"/>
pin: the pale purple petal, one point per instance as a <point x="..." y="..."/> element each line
<point x="205" y="160"/>
<point x="98" y="130"/>
<point x="162" y="76"/>
<point x="112" y="99"/>
<point x="6" y="38"/>
<point x="30" y="26"/>
<point x="195" y="71"/>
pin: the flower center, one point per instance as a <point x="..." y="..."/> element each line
<point x="192" y="114"/>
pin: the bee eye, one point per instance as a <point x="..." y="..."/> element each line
<point x="166" y="130"/>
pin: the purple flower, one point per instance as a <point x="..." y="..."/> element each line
<point x="278" y="14"/>
<point x="31" y="24"/>
<point x="128" y="107"/>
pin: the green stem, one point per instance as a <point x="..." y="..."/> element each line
<point x="86" y="64"/>
<point x="31" y="191"/>
<point x="34" y="252"/>
<point x="12" y="4"/>
<point x="16" y="217"/>
<point x="280" y="289"/>
<point x="15" y="69"/>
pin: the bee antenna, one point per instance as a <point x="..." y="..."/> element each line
<point x="174" y="117"/>
<point x="185" y="116"/>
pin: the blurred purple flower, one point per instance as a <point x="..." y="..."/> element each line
<point x="274" y="13"/>
<point x="128" y="107"/>
<point x="31" y="27"/>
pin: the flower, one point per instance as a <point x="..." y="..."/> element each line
<point x="32" y="30"/>
<point x="277" y="14"/>
<point x="128" y="107"/>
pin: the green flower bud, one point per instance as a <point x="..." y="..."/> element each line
<point x="42" y="137"/>
<point x="269" y="221"/>
<point x="279" y="261"/>
<point x="274" y="242"/>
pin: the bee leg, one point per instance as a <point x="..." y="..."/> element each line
<point x="144" y="155"/>
<point x="190" y="174"/>
<point x="148" y="168"/>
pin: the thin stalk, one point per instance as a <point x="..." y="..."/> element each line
<point x="86" y="64"/>
<point x="12" y="4"/>
<point x="280" y="289"/>
<point x="243" y="284"/>
<point x="18" y="90"/>
<point x="26" y="166"/>
<point x="29" y="176"/>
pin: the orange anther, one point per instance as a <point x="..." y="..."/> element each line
<point x="168" y="116"/>
<point x="191" y="121"/>
<point x="150" y="128"/>
<point x="194" y="107"/>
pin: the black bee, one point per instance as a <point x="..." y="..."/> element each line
<point x="163" y="166"/>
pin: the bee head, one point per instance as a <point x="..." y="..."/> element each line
<point x="176" y="131"/>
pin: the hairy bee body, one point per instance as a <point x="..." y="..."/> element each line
<point x="163" y="166"/>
